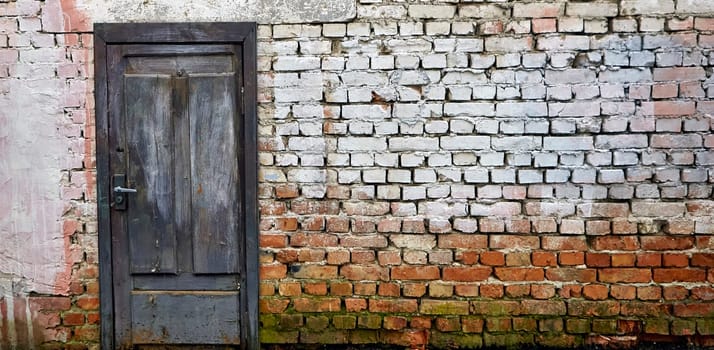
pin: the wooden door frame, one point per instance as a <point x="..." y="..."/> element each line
<point x="243" y="34"/>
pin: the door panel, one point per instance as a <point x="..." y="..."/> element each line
<point x="150" y="146"/>
<point x="214" y="173"/>
<point x="186" y="318"/>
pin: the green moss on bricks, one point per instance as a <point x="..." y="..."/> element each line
<point x="325" y="337"/>
<point x="364" y="337"/>
<point x="317" y="323"/>
<point x="705" y="326"/>
<point x="441" y="340"/>
<point x="508" y="340"/>
<point x="270" y="336"/>
<point x="344" y="321"/>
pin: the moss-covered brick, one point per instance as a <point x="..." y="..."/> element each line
<point x="508" y="340"/>
<point x="324" y="337"/>
<point x="290" y="321"/>
<point x="344" y="321"/>
<point x="271" y="336"/>
<point x="524" y="324"/>
<point x="369" y="321"/>
<point x="444" y="307"/>
<point x="558" y="340"/>
<point x="498" y="324"/>
<point x="656" y="326"/>
<point x="577" y="325"/>
<point x="317" y="322"/>
<point x="705" y="326"/>
<point x="441" y="340"/>
<point x="608" y="326"/>
<point x="551" y="325"/>
<point x="448" y="324"/>
<point x="684" y="327"/>
<point x="495" y="307"/>
<point x="362" y="336"/>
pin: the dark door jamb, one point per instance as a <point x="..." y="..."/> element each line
<point x="179" y="33"/>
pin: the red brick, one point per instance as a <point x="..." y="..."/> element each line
<point x="389" y="290"/>
<point x="338" y="224"/>
<point x="272" y="305"/>
<point x="315" y="288"/>
<point x="561" y="243"/>
<point x="519" y="274"/>
<point x="543" y="25"/>
<point x="675" y="292"/>
<point x="317" y="304"/>
<point x="394" y="322"/>
<point x="365" y="288"/>
<point x="542" y="291"/>
<point x="273" y="240"/>
<point x="468" y="257"/>
<point x="362" y="256"/>
<point x="355" y="304"/>
<point x="466" y="273"/>
<point x="597" y="259"/>
<point x="518" y="290"/>
<point x="393" y="305"/>
<point x="571" y="258"/>
<point x="649" y="293"/>
<point x="471" y="325"/>
<point x="466" y="290"/>
<point x="703" y="259"/>
<point x="415" y="273"/>
<point x="290" y="288"/>
<point x="571" y="275"/>
<point x="313" y="240"/>
<point x="616" y="243"/>
<point x="340" y="288"/>
<point x="389" y="225"/>
<point x="649" y="260"/>
<point x="703" y="293"/>
<point x="623" y="260"/>
<point x="463" y="241"/>
<point x="666" y="243"/>
<point x="338" y="257"/>
<point x="679" y="275"/>
<point x="492" y="258"/>
<point x="623" y="292"/>
<point x="389" y="257"/>
<point x="448" y="324"/>
<point x="595" y="291"/>
<point x="694" y="310"/>
<point x="629" y="275"/>
<point x="88" y="303"/>
<point x="491" y="291"/>
<point x="73" y="319"/>
<point x="313" y="271"/>
<point x="273" y="271"/>
<point x="314" y="223"/>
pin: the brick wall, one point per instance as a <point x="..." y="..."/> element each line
<point x="436" y="172"/>
<point x="493" y="173"/>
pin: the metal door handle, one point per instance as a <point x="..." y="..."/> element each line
<point x="120" y="189"/>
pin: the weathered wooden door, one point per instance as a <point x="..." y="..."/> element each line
<point x="176" y="172"/>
